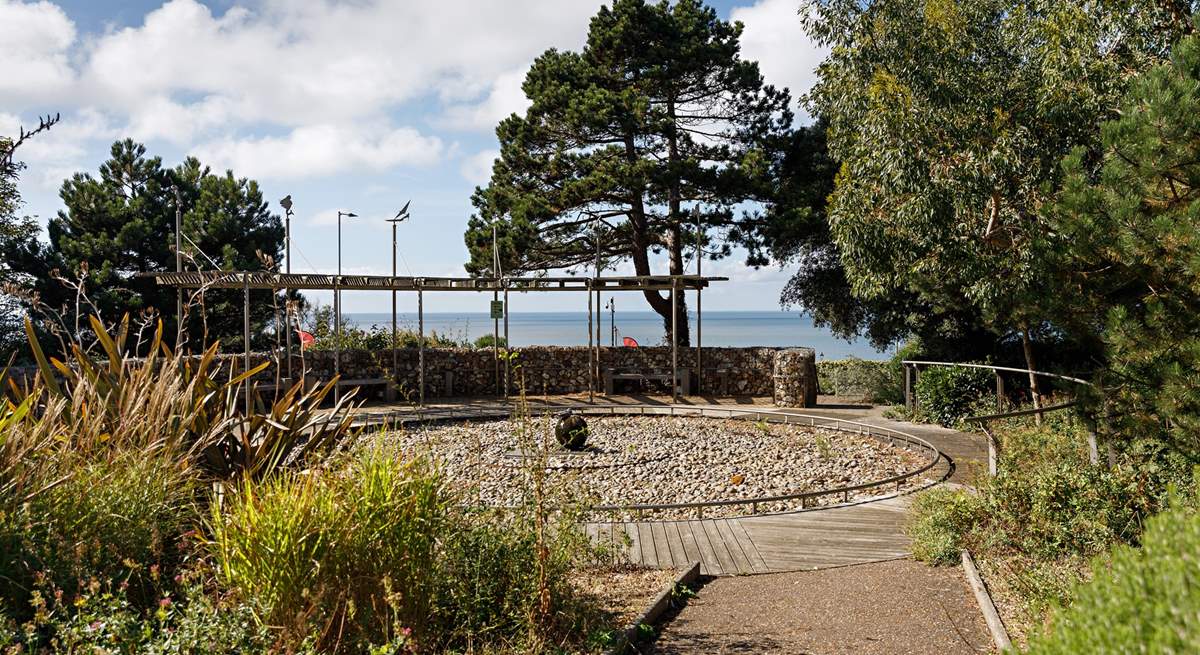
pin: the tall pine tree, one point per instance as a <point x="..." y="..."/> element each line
<point x="658" y="117"/>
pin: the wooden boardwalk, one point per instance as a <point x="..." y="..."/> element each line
<point x="799" y="541"/>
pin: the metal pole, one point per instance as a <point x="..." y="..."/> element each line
<point x="591" y="366"/>
<point x="421" y="344"/>
<point x="507" y="372"/>
<point x="496" y="342"/>
<point x="395" y="353"/>
<point x="699" y="314"/>
<point x="246" y="337"/>
<point x="674" y="347"/>
<point x="178" y="268"/>
<point x="599" y="320"/>
<point x="337" y="315"/>
<point x="287" y="306"/>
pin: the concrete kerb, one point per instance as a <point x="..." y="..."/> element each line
<point x="628" y="636"/>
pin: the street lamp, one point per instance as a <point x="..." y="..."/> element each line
<point x="337" y="305"/>
<point x="286" y="203"/>
<point x="395" y="220"/>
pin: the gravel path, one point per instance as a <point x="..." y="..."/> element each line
<point x="642" y="459"/>
<point x="895" y="608"/>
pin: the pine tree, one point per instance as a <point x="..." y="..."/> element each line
<point x="656" y="117"/>
<point x="1129" y="227"/>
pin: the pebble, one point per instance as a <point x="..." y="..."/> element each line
<point x="654" y="460"/>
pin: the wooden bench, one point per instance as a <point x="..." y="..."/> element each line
<point x="389" y="388"/>
<point x="612" y="375"/>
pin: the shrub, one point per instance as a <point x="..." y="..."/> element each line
<point x="940" y="524"/>
<point x="115" y="521"/>
<point x="1140" y="600"/>
<point x="103" y="621"/>
<point x="347" y="552"/>
<point x="873" y="381"/>
<point x="950" y="393"/>
<point x="488" y="581"/>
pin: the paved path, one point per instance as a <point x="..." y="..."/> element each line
<point x="898" y="607"/>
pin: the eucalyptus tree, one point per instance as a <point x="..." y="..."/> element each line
<point x="950" y="118"/>
<point x="656" y="124"/>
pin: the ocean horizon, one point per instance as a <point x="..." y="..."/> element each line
<point x="720" y="328"/>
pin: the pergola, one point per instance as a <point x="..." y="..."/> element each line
<point x="249" y="281"/>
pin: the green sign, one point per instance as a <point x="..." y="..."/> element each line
<point x="497" y="309"/>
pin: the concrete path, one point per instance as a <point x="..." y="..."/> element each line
<point x="900" y="607"/>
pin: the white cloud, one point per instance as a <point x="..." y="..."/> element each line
<point x="477" y="168"/>
<point x="775" y="39"/>
<point x="34" y="43"/>
<point x="504" y="98"/>
<point x="302" y="63"/>
<point x="317" y="150"/>
<point x="56" y="154"/>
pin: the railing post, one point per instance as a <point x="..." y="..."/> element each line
<point x="908" y="387"/>
<point x="999" y="392"/>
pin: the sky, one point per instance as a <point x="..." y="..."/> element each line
<point x="359" y="105"/>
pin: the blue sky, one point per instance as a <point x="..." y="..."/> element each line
<point x="344" y="105"/>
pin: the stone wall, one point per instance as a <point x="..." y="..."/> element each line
<point x="553" y="370"/>
<point x="549" y="369"/>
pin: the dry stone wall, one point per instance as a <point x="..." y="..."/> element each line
<point x="753" y="371"/>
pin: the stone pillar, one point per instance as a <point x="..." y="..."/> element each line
<point x="796" y="377"/>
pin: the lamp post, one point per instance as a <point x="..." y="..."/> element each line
<point x="337" y="305"/>
<point x="395" y="220"/>
<point x="286" y="203"/>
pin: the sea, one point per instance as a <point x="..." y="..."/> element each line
<point x="728" y="328"/>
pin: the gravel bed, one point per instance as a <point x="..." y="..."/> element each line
<point x="645" y="459"/>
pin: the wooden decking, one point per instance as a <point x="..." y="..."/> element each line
<point x="798" y="541"/>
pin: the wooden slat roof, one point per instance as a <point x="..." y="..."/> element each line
<point x="260" y="280"/>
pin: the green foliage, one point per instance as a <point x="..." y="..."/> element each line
<point x="655" y="118"/>
<point x="947" y="394"/>
<point x="487" y="585"/>
<point x="488" y="340"/>
<point x="1045" y="511"/>
<point x="949" y="120"/>
<point x="1143" y="599"/>
<point x="873" y="381"/>
<point x="374" y="338"/>
<point x="939" y="522"/>
<point x="115" y="519"/>
<point x="100" y="620"/>
<point x="121" y="222"/>
<point x="354" y="545"/>
<point x="1129" y="240"/>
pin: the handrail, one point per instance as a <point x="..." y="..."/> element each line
<point x="768" y="415"/>
<point x="910" y="362"/>
<point x="1024" y="412"/>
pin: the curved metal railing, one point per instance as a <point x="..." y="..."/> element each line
<point x="892" y="436"/>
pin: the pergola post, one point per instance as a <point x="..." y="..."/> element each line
<point x="599" y="320"/>
<point x="246" y="338"/>
<point x="496" y="343"/>
<point x="591" y="365"/>
<point x="421" y="345"/>
<point x="674" y="346"/>
<point x="507" y="345"/>
<point x="337" y="336"/>
<point x="699" y="315"/>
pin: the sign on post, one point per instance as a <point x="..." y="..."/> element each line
<point x="497" y="309"/>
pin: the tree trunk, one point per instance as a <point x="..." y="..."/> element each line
<point x="1034" y="391"/>
<point x="674" y="236"/>
<point x="640" y="254"/>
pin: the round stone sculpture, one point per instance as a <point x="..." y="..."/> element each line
<point x="571" y="430"/>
